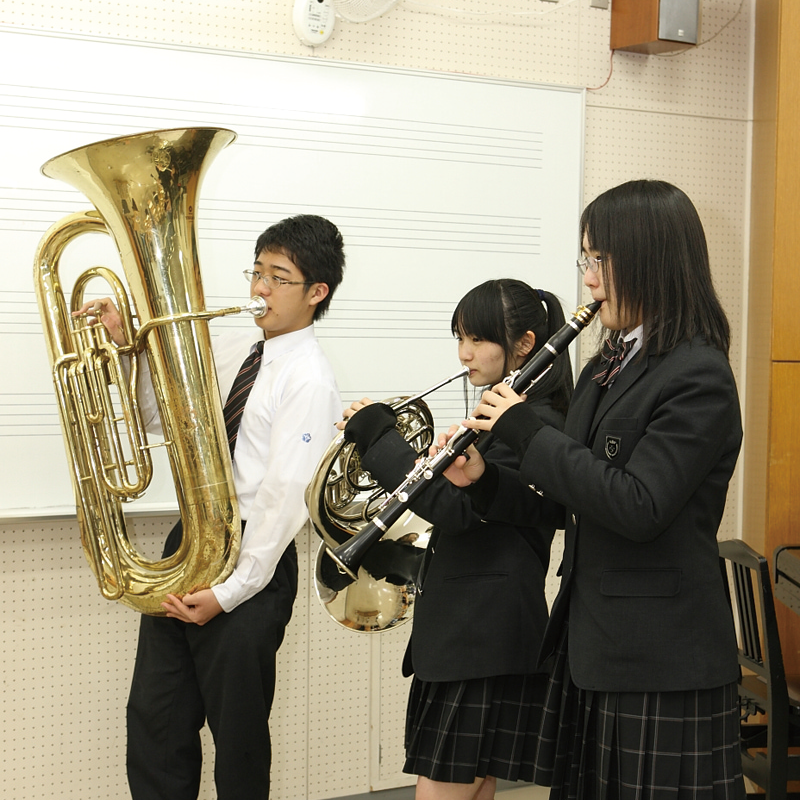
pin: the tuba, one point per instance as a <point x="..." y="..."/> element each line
<point x="144" y="188"/>
<point x="342" y="499"/>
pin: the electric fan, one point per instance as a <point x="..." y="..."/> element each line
<point x="362" y="10"/>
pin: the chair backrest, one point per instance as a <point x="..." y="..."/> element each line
<point x="762" y="683"/>
<point x="753" y="608"/>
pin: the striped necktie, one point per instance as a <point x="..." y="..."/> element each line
<point x="611" y="360"/>
<point x="240" y="391"/>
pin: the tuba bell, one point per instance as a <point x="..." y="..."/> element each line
<point x="342" y="499"/>
<point x="144" y="188"/>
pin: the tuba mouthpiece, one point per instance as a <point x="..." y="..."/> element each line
<point x="257" y="306"/>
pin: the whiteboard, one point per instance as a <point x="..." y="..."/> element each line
<point x="437" y="181"/>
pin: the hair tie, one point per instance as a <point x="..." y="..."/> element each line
<point x="541" y="294"/>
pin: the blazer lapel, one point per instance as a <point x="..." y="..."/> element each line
<point x="624" y="381"/>
<point x="582" y="410"/>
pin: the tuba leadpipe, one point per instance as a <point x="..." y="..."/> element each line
<point x="349" y="555"/>
<point x="144" y="188"/>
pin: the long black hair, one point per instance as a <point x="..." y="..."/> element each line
<point x="659" y="267"/>
<point x="502" y="311"/>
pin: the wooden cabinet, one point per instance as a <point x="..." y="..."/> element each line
<point x="771" y="512"/>
<point x="654" y="26"/>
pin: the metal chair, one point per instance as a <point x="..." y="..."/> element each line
<point x="770" y="705"/>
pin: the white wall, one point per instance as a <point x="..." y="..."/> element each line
<point x="67" y="653"/>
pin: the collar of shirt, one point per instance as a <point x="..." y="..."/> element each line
<point x="637" y="333"/>
<point x="278" y="345"/>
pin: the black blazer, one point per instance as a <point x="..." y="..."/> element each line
<point x="482" y="609"/>
<point x="642" y="469"/>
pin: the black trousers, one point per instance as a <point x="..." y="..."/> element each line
<point x="222" y="672"/>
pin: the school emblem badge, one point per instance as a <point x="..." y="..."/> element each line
<point x="612" y="446"/>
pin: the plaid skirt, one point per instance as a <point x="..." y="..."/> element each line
<point x="638" y="745"/>
<point x="462" y="730"/>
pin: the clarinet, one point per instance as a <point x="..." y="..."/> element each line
<point x="349" y="556"/>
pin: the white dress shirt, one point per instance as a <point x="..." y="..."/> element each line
<point x="286" y="427"/>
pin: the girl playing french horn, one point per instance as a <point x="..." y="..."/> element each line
<point x="475" y="699"/>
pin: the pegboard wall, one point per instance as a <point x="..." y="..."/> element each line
<point x="68" y="654"/>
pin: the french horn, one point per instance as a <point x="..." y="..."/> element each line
<point x="144" y="188"/>
<point x="342" y="499"/>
